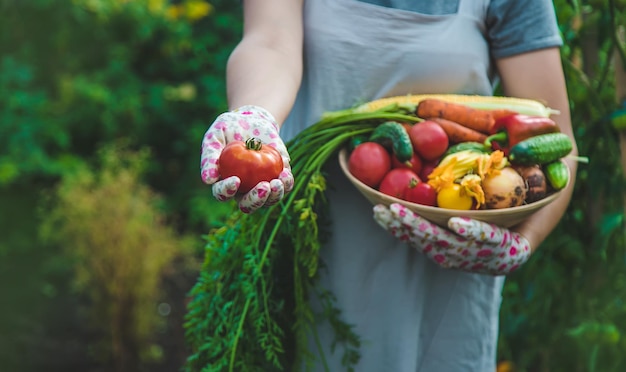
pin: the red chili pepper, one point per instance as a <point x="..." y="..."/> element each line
<point x="512" y="129"/>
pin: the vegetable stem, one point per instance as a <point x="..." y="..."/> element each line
<point x="580" y="159"/>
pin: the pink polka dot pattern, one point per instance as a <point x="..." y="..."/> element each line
<point x="239" y="125"/>
<point x="468" y="245"/>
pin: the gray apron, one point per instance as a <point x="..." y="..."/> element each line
<point x="411" y="315"/>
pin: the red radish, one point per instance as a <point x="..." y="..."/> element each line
<point x="369" y="162"/>
<point x="397" y="181"/>
<point x="421" y="193"/>
<point x="427" y="168"/>
<point x="416" y="163"/>
<point x="429" y="140"/>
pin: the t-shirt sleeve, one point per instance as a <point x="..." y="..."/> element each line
<point x="515" y="26"/>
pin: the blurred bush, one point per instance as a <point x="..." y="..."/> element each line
<point x="77" y="76"/>
<point x="119" y="246"/>
<point x="565" y="311"/>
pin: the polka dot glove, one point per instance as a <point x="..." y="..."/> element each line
<point x="469" y="245"/>
<point x="239" y="125"/>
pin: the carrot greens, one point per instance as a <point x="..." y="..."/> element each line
<point x="249" y="309"/>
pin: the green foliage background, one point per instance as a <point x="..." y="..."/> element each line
<point x="77" y="76"/>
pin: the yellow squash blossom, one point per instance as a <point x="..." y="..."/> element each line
<point x="442" y="175"/>
<point x="471" y="185"/>
<point x="491" y="164"/>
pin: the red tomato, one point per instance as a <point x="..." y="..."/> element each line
<point x="396" y="181"/>
<point x="251" y="161"/>
<point x="427" y="168"/>
<point x="421" y="193"/>
<point x="429" y="139"/>
<point x="369" y="162"/>
<point x="416" y="163"/>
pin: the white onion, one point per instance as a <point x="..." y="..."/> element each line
<point x="504" y="190"/>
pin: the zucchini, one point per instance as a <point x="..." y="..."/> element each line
<point x="541" y="149"/>
<point x="392" y="135"/>
<point x="557" y="174"/>
<point x="471" y="146"/>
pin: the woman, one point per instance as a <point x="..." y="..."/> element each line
<point x="413" y="309"/>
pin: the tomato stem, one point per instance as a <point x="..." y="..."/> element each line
<point x="254" y="143"/>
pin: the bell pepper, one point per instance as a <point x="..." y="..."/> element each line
<point x="512" y="129"/>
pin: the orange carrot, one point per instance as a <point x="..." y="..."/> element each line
<point x="459" y="133"/>
<point x="500" y="113"/>
<point x="476" y="119"/>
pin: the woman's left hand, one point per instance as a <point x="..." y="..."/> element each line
<point x="469" y="245"/>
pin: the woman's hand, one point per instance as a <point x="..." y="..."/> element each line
<point x="469" y="245"/>
<point x="239" y="125"/>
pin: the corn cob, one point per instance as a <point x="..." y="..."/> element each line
<point x="521" y="105"/>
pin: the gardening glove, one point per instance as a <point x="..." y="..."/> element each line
<point x="469" y="245"/>
<point x="239" y="125"/>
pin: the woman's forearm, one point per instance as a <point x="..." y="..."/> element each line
<point x="265" y="69"/>
<point x="543" y="81"/>
<point x="259" y="75"/>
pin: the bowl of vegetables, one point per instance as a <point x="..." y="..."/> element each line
<point x="505" y="217"/>
<point x="500" y="172"/>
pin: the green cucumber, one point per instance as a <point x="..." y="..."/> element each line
<point x="472" y="146"/>
<point x="356" y="140"/>
<point x="392" y="135"/>
<point x="557" y="174"/>
<point x="541" y="149"/>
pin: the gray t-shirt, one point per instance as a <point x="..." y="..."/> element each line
<point x="513" y="26"/>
